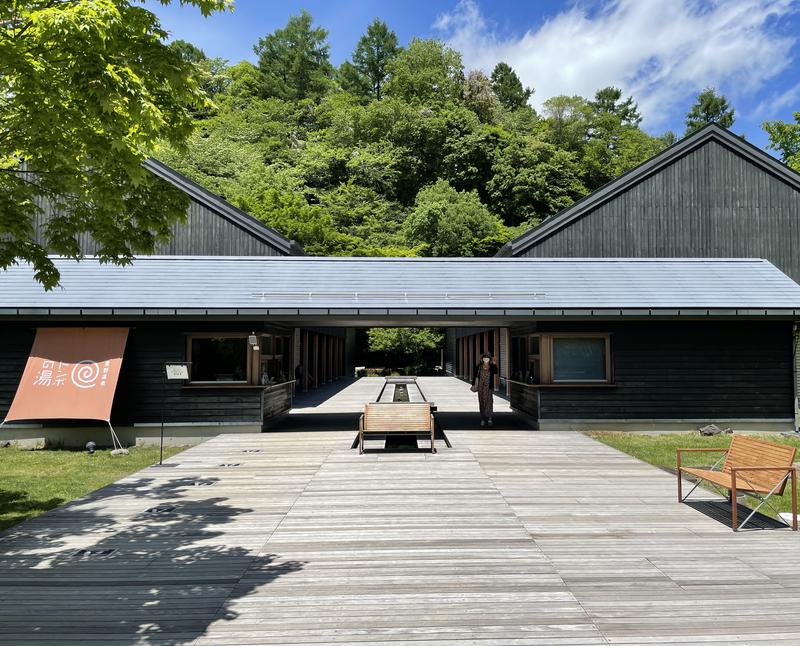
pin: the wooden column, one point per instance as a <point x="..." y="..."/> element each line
<point x="496" y="353"/>
<point x="315" y="352"/>
<point x="325" y="363"/>
<point x="304" y="353"/>
<point x="329" y="358"/>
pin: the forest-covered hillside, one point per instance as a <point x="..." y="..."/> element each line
<point x="399" y="151"/>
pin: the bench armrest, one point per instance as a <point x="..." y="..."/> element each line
<point x="705" y="450"/>
<point x="787" y="469"/>
<point x="702" y="450"/>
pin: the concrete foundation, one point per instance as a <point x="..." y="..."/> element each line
<point x="37" y="435"/>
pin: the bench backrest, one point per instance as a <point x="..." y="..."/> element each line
<point x="397" y="417"/>
<point x="751" y="452"/>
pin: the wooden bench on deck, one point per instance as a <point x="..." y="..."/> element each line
<point x="396" y="418"/>
<point x="751" y="466"/>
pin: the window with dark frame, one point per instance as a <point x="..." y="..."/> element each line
<point x="219" y="359"/>
<point x="579" y="359"/>
<point x="561" y="359"/>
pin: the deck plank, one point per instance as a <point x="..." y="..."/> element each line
<point x="509" y="538"/>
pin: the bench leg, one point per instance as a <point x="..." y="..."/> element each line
<point x="734" y="504"/>
<point x="680" y="485"/>
<point x="793" y="485"/>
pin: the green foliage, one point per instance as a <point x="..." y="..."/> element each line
<point x="709" y="107"/>
<point x="87" y="90"/>
<point x="479" y="96"/>
<point x="374" y="54"/>
<point x="294" y="60"/>
<point x="407" y="341"/>
<point x="428" y="72"/>
<point x="608" y="101"/>
<point x="785" y="138"/>
<point x="508" y="88"/>
<point x="446" y="222"/>
<point x="532" y="179"/>
<point x="566" y="121"/>
<point x="413" y="157"/>
<point x="188" y="52"/>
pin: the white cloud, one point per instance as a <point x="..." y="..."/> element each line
<point x="778" y="101"/>
<point x="660" y="51"/>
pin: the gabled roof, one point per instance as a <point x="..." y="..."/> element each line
<point x="272" y="286"/>
<point x="711" y="132"/>
<point x="225" y="209"/>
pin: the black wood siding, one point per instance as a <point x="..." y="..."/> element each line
<point x="710" y="203"/>
<point x="204" y="233"/>
<point x="140" y="391"/>
<point x="15" y="346"/>
<point x="684" y="370"/>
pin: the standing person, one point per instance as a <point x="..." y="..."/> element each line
<point x="483" y="384"/>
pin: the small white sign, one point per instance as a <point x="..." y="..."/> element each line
<point x="177" y="371"/>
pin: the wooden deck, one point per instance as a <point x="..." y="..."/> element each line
<point x="509" y="538"/>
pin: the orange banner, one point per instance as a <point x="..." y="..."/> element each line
<point x="71" y="374"/>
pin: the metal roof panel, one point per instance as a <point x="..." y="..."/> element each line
<point x="163" y="284"/>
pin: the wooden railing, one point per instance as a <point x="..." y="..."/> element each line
<point x="276" y="399"/>
<point x="524" y="397"/>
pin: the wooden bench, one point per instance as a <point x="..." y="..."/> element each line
<point x="751" y="466"/>
<point x="393" y="418"/>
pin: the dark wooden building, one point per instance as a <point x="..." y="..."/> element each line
<point x="647" y="343"/>
<point x="710" y="195"/>
<point x="213" y="226"/>
<point x="611" y="314"/>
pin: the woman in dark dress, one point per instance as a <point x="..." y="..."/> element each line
<point x="483" y="384"/>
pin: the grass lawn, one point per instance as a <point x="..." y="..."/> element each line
<point x="31" y="482"/>
<point x="660" y="450"/>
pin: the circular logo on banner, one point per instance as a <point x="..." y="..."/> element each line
<point x="85" y="374"/>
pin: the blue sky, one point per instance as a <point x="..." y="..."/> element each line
<point x="663" y="52"/>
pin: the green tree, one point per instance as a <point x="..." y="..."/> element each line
<point x="87" y="90"/>
<point x="608" y="101"/>
<point x="211" y="72"/>
<point x="374" y="54"/>
<point x="709" y="107"/>
<point x="668" y="138"/>
<point x="187" y="51"/>
<point x="531" y="180"/>
<point x="428" y="72"/>
<point x="614" y="141"/>
<point x="373" y="222"/>
<point x="479" y="97"/>
<point x="785" y="138"/>
<point x="408" y="341"/>
<point x="350" y="80"/>
<point x="508" y="88"/>
<point x="244" y="83"/>
<point x="446" y="222"/>
<point x="294" y="60"/>
<point x="566" y="122"/>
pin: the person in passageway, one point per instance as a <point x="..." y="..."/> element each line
<point x="483" y="384"/>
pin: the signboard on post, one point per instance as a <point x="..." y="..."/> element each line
<point x="172" y="372"/>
